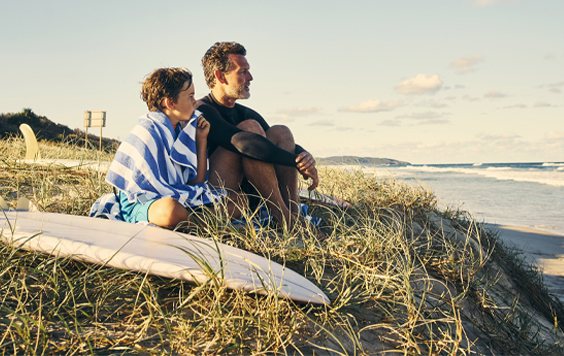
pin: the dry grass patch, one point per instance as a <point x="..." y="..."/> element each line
<point x="403" y="278"/>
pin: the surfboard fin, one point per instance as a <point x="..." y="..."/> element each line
<point x="32" y="148"/>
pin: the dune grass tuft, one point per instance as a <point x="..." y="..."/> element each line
<point x="403" y="278"/>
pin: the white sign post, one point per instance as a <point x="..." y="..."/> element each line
<point x="94" y="119"/>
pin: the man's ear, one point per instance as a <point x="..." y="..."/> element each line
<point x="220" y="76"/>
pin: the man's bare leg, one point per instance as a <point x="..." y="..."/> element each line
<point x="287" y="177"/>
<point x="228" y="168"/>
<point x="226" y="171"/>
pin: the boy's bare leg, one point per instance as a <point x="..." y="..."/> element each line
<point x="167" y="213"/>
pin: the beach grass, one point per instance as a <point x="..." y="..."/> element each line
<point x="403" y="277"/>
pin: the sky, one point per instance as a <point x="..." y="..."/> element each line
<point x="422" y="81"/>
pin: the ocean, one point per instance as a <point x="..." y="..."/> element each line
<point x="519" y="194"/>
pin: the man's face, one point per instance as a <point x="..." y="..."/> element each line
<point x="238" y="78"/>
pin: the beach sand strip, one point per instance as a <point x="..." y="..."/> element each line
<point x="539" y="247"/>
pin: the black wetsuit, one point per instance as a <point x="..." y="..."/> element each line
<point x="224" y="133"/>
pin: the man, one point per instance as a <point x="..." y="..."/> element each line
<point x="242" y="147"/>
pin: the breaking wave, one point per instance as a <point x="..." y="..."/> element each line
<point x="552" y="175"/>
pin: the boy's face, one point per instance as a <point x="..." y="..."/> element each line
<point x="185" y="104"/>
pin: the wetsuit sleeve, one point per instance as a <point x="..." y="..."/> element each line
<point x="245" y="143"/>
<point x="265" y="126"/>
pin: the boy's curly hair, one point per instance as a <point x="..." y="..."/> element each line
<point x="164" y="83"/>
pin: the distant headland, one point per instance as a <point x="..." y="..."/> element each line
<point x="352" y="160"/>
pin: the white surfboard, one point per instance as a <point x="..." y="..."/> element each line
<point x="153" y="250"/>
<point x="100" y="166"/>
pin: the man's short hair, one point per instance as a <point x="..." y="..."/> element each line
<point x="164" y="83"/>
<point x="217" y="57"/>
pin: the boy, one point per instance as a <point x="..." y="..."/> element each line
<point x="160" y="169"/>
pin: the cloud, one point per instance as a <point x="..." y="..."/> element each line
<point x="323" y="122"/>
<point x="421" y="84"/>
<point x="281" y="118"/>
<point x="432" y="104"/>
<point x="465" y="64"/>
<point x="507" y="136"/>
<point x="554" y="135"/>
<point x="433" y="122"/>
<point x="425" y="118"/>
<point x="556" y="87"/>
<point x="373" y="106"/>
<point x="344" y="128"/>
<point x="491" y="2"/>
<point x="422" y="115"/>
<point x="394" y="122"/>
<point x="559" y="84"/>
<point x="289" y="115"/>
<point x="516" y="106"/>
<point x="542" y="104"/>
<point x="452" y="150"/>
<point x="301" y="111"/>
<point x="550" y="57"/>
<point x="470" y="98"/>
<point x="494" y="95"/>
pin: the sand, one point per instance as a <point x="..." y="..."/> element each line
<point x="540" y="247"/>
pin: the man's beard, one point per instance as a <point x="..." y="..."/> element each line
<point x="241" y="92"/>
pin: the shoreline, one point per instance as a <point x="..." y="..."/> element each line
<point x="539" y="247"/>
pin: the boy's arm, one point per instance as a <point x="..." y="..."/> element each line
<point x="202" y="130"/>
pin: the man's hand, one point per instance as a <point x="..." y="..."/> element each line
<point x="311" y="173"/>
<point x="306" y="167"/>
<point x="305" y="161"/>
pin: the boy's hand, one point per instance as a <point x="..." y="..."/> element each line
<point x="202" y="128"/>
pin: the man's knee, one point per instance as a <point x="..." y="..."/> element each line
<point x="252" y="126"/>
<point x="281" y="136"/>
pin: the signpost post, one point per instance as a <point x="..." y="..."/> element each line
<point x="94" y="119"/>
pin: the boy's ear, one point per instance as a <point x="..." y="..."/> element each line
<point x="220" y="76"/>
<point x="167" y="103"/>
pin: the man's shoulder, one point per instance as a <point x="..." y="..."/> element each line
<point x="209" y="107"/>
<point x="205" y="102"/>
<point x="247" y="112"/>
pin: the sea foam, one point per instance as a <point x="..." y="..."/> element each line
<point x="524" y="173"/>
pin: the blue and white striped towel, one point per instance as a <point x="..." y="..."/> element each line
<point x="152" y="163"/>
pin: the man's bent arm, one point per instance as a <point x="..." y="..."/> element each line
<point x="245" y="143"/>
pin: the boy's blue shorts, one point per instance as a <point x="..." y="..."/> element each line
<point x="134" y="212"/>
